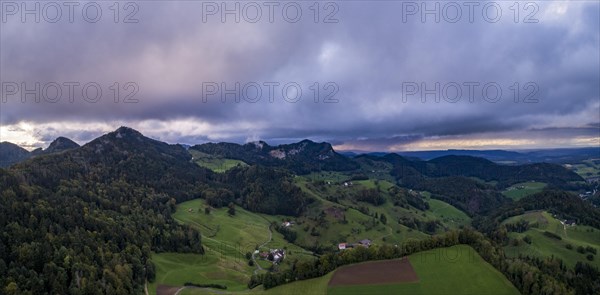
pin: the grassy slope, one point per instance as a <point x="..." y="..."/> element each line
<point x="317" y="286"/>
<point x="544" y="246"/>
<point x="358" y="226"/>
<point x="450" y="215"/>
<point x="245" y="229"/>
<point x="530" y="188"/>
<point x="454" y="270"/>
<point x="226" y="239"/>
<point x="175" y="269"/>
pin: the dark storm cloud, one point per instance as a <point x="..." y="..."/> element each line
<point x="370" y="54"/>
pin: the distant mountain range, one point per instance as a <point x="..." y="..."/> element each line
<point x="306" y="156"/>
<point x="558" y="156"/>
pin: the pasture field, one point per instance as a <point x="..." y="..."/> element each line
<point x="545" y="246"/>
<point x="521" y="190"/>
<point x="448" y="214"/>
<point x="344" y="223"/>
<point x="213" y="163"/>
<point x="242" y="232"/>
<point x="244" y="229"/>
<point x="175" y="269"/>
<point x="341" y="222"/>
<point x="587" y="168"/>
<point x="316" y="286"/>
<point x="372" y="183"/>
<point x="226" y="240"/>
<point x="454" y="270"/>
<point x="327" y="176"/>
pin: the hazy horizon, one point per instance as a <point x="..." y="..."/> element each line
<point x="336" y="148"/>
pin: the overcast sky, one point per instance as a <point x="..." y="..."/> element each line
<point x="370" y="61"/>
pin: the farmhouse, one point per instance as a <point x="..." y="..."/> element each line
<point x="570" y="222"/>
<point x="276" y="255"/>
<point x="365" y="243"/>
<point x="287" y="223"/>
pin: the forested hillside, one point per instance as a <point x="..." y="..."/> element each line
<point x="302" y="157"/>
<point x="84" y="237"/>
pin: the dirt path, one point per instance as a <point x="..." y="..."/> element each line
<point x="179" y="290"/>
<point x="211" y="290"/>
<point x="564" y="227"/>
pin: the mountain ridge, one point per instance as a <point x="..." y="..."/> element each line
<point x="11" y="153"/>
<point x="302" y="157"/>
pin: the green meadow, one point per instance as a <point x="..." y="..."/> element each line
<point x="521" y="190"/>
<point x="226" y="240"/>
<point x="175" y="269"/>
<point x="448" y="214"/>
<point x="340" y="221"/>
<point x="316" y="286"/>
<point x="213" y="163"/>
<point x="454" y="270"/>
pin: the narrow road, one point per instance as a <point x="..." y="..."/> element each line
<point x="258" y="267"/>
<point x="564" y="227"/>
<point x="179" y="290"/>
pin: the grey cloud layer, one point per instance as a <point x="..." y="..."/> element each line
<point x="369" y="54"/>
